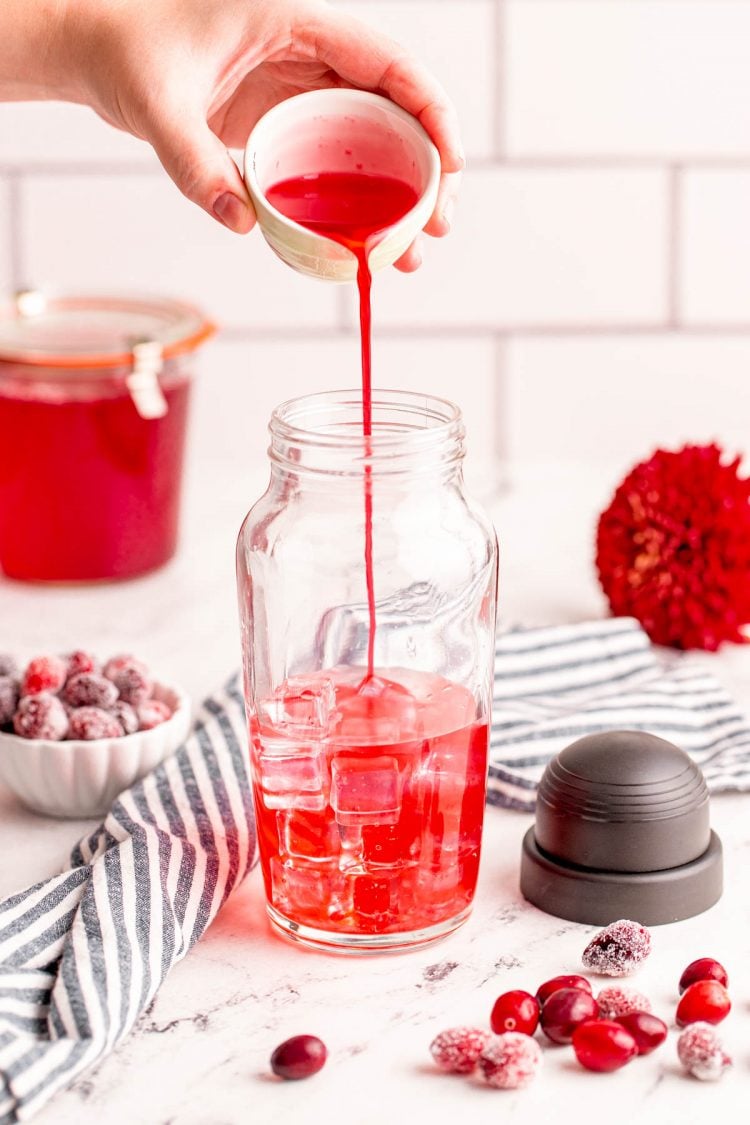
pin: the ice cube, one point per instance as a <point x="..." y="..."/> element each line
<point x="302" y="707"/>
<point x="298" y="888"/>
<point x="307" y="835"/>
<point x="380" y="711"/>
<point x="365" y="790"/>
<point x="295" y="779"/>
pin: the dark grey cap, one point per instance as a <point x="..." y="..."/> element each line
<point x="622" y="831"/>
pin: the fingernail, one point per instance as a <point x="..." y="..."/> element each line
<point x="448" y="211"/>
<point x="232" y="212"/>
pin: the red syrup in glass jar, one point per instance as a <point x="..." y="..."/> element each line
<point x="89" y="490"/>
<point x="369" y="801"/>
<point x="369" y="791"/>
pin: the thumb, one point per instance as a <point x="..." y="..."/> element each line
<point x="203" y="170"/>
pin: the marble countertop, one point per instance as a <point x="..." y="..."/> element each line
<point x="199" y="1056"/>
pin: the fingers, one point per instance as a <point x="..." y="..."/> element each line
<point x="440" y="221"/>
<point x="411" y="260"/>
<point x="364" y="57"/>
<point x="202" y="168"/>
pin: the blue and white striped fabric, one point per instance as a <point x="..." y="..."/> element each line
<point x="559" y="683"/>
<point x="83" y="954"/>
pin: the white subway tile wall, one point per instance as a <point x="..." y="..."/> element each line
<point x="593" y="300"/>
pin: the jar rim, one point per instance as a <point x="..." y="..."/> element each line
<point x="323" y="432"/>
<point x="39" y="330"/>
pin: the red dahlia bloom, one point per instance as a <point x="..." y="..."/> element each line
<point x="673" y="548"/>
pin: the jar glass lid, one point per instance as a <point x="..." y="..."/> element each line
<point x="90" y="332"/>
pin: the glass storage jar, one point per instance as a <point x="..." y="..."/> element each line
<point x="369" y="782"/>
<point x="94" y="398"/>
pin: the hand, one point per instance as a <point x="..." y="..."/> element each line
<point x="193" y="76"/>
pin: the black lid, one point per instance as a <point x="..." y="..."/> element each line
<point x="622" y="830"/>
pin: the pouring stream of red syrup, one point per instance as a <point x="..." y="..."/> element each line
<point x="354" y="209"/>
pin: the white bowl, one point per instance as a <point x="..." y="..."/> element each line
<point x="82" y="779"/>
<point x="332" y="131"/>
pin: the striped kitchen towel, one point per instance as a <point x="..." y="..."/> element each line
<point x="559" y="683"/>
<point x="83" y="954"/>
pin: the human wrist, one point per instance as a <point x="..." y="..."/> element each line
<point x="35" y="61"/>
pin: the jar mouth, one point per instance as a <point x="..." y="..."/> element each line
<point x="323" y="432"/>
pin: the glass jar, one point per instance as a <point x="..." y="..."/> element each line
<point x="94" y="399"/>
<point x="369" y="782"/>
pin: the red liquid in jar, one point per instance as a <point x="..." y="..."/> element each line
<point x="354" y="209"/>
<point x="88" y="489"/>
<point x="369" y="802"/>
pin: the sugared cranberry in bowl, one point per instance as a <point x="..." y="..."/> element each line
<point x="68" y="749"/>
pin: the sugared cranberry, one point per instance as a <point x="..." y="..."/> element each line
<point x="571" y="980"/>
<point x="41" y="716"/>
<point x="515" y="1011"/>
<point x="564" y="1011"/>
<point x="457" y="1049"/>
<point x="44" y="673"/>
<point x="603" y="1045"/>
<point x="89" y="690"/>
<point x="8" y="665"/>
<point x="614" y="1002"/>
<point x="8" y="699"/>
<point x="510" y="1061"/>
<point x="90" y="723"/>
<point x="80" y="661"/>
<point x="299" y="1057"/>
<point x="618" y="949"/>
<point x="647" y="1030"/>
<point x="706" y="1001"/>
<point x="705" y="968"/>
<point x="131" y="678"/>
<point x="152" y="713"/>
<point x="125" y="716"/>
<point x="702" y="1053"/>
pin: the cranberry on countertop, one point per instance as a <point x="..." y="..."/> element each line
<point x="603" y="1045"/>
<point x="299" y="1057"/>
<point x="705" y="968"/>
<point x="515" y="1011"/>
<point x="706" y="1001"/>
<point x="569" y="980"/>
<point x="564" y="1010"/>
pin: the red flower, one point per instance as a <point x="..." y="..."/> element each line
<point x="673" y="548"/>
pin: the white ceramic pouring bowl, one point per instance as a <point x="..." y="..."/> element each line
<point x="335" y="131"/>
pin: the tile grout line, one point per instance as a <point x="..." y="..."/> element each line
<point x="266" y="334"/>
<point x="606" y="162"/>
<point x="501" y="435"/>
<point x="500" y="62"/>
<point x="674" y="246"/>
<point x="15" y="250"/>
